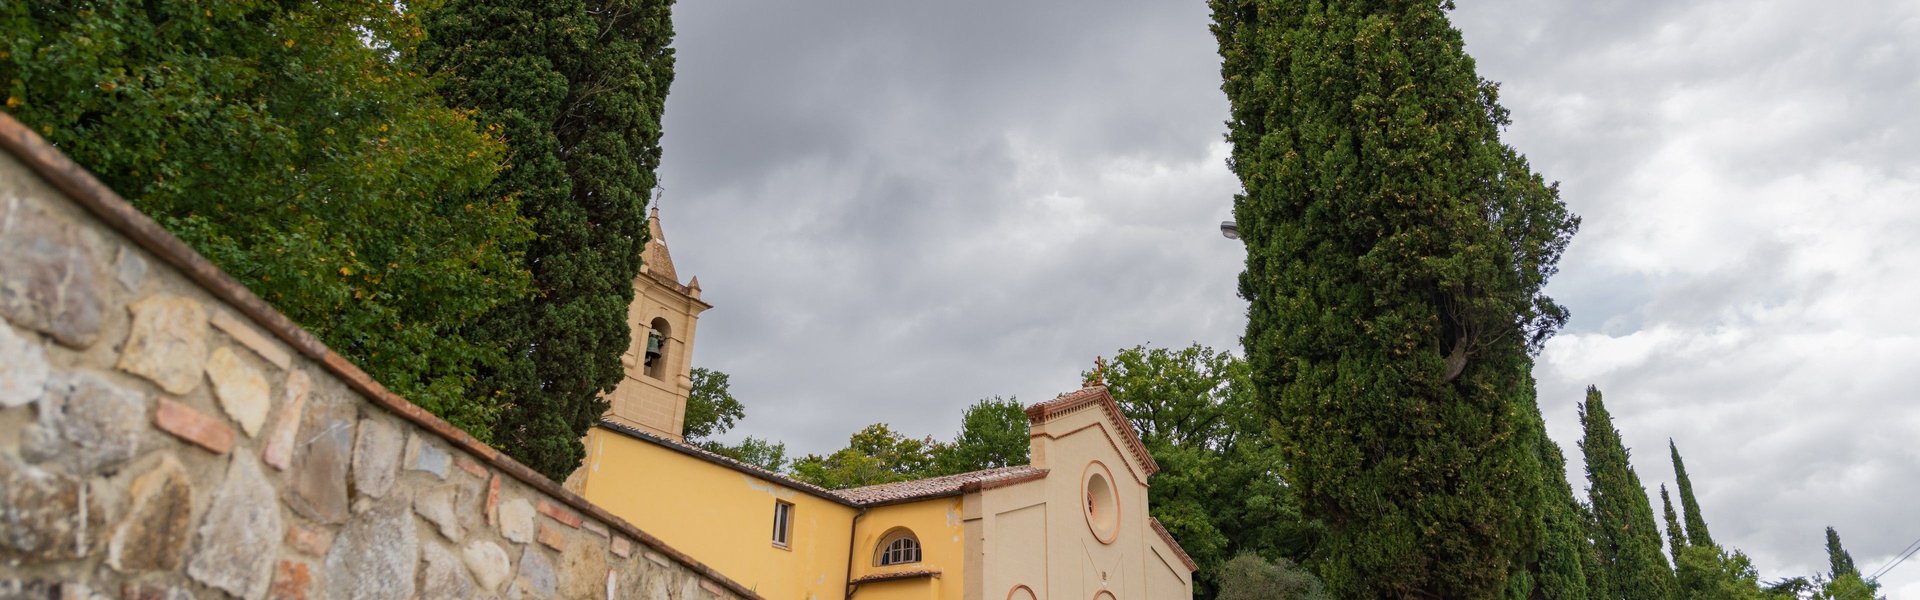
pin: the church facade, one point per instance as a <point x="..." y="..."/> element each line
<point x="1071" y="525"/>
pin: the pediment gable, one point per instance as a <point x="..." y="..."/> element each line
<point x="1096" y="398"/>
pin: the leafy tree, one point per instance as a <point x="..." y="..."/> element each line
<point x="1850" y="587"/>
<point x="711" y="407"/>
<point x="712" y="410"/>
<point x="1218" y="490"/>
<point x="576" y="88"/>
<point x="1676" y="539"/>
<point x="874" y="455"/>
<point x="993" y="433"/>
<point x="1792" y="587"/>
<point x="297" y="146"/>
<point x="1709" y="573"/>
<point x="1249" y="577"/>
<point x="1396" y="253"/>
<point x="765" y="454"/>
<point x="1841" y="582"/>
<point x="1837" y="557"/>
<point x="1696" y="525"/>
<point x="1627" y="539"/>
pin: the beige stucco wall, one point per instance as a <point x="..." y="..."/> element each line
<point x="1037" y="534"/>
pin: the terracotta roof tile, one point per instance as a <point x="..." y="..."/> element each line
<point x="892" y="575"/>
<point x="658" y="261"/>
<point x="1096" y="395"/>
<point x="725" y="461"/>
<point x="1171" y="543"/>
<point x="950" y="485"/>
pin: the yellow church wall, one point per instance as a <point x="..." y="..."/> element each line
<point x="721" y="516"/>
<point x="938" y="524"/>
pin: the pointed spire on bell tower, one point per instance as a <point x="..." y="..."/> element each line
<point x="655" y="259"/>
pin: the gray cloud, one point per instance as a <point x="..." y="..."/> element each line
<point x="899" y="208"/>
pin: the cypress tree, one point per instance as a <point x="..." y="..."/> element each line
<point x="1599" y="571"/>
<point x="1837" y="556"/>
<point x="1696" y="525"/>
<point x="1562" y="570"/>
<point x="1675" y="537"/>
<point x="1627" y="539"/>
<point x="1396" y="252"/>
<point x="576" y="88"/>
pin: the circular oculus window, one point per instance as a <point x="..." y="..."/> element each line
<point x="1101" y="503"/>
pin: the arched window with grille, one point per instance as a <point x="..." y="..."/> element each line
<point x="898" y="547"/>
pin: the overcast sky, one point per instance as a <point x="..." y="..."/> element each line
<point x="898" y="208"/>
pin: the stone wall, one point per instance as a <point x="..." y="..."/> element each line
<point x="165" y="434"/>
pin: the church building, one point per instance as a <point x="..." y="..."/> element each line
<point x="1071" y="525"/>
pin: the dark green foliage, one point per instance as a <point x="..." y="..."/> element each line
<point x="1218" y="491"/>
<point x="711" y="407"/>
<point x="1696" y="525"/>
<point x="296" y="146"/>
<point x="1598" y="568"/>
<point x="1709" y="573"/>
<point x="1396" y="251"/>
<point x="1676" y="539"/>
<point x="1791" y="588"/>
<point x="1561" y="571"/>
<point x="993" y="433"/>
<point x="576" y="88"/>
<point x="1249" y="577"/>
<point x="874" y="455"/>
<point x="1625" y="534"/>
<point x="1838" y="559"/>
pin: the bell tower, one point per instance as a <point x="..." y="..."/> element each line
<point x="653" y="395"/>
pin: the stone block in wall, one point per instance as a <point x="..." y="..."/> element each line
<point x="154" y="533"/>
<point x="583" y="571"/>
<point x="438" y="506"/>
<point x="277" y="447"/>
<point x="516" y="521"/>
<point x="168" y="343"/>
<point x="240" y="533"/>
<point x="442" y="574"/>
<point x="375" y="555"/>
<point x="376" y="457"/>
<point x="535" y="578"/>
<point x="85" y="424"/>
<point x="322" y="453"/>
<point x="488" y="562"/>
<point x="47" y="281"/>
<point x="241" y="388"/>
<point x="46" y="516"/>
<point x="23" y="367"/>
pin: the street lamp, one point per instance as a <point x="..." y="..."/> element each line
<point x="1230" y="229"/>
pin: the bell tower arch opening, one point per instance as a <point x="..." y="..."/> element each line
<point x="659" y="348"/>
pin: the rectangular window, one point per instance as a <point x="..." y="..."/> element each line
<point x="782" y="523"/>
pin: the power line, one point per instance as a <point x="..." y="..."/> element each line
<point x="1905" y="554"/>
